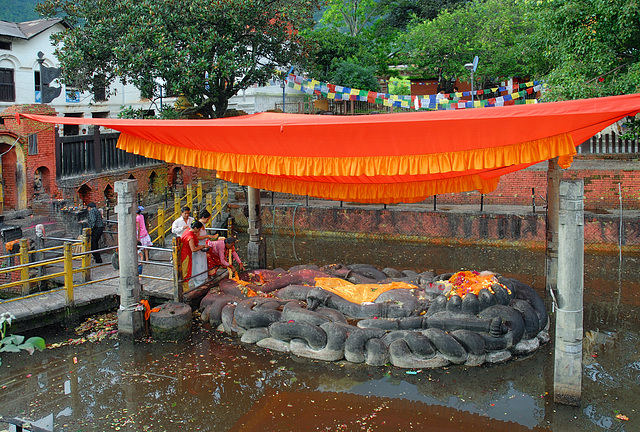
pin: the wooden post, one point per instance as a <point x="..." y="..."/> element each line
<point x="161" y="225"/>
<point x="553" y="207"/>
<point x="86" y="258"/>
<point x="24" y="261"/>
<point x="68" y="273"/>
<point x="97" y="149"/>
<point x="567" y="378"/>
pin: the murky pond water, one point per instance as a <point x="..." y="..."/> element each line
<point x="215" y="383"/>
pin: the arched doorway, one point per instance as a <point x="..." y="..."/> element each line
<point x="153" y="182"/>
<point x="84" y="194"/>
<point x="110" y="196"/>
<point x="41" y="181"/>
<point x="177" y="179"/>
<point x="13" y="189"/>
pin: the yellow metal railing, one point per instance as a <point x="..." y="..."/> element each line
<point x="214" y="203"/>
<point x="68" y="258"/>
<point x="75" y="255"/>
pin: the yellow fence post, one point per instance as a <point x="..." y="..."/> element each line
<point x="225" y="195"/>
<point x="86" y="258"/>
<point x="161" y="225"/>
<point x="210" y="208"/>
<point x="24" y="262"/>
<point x="218" y="202"/>
<point x="190" y="201"/>
<point x="199" y="194"/>
<point x="68" y="272"/>
<point x="178" y="292"/>
<point x="176" y="205"/>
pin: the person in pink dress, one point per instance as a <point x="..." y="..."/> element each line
<point x="143" y="234"/>
<point x="218" y="253"/>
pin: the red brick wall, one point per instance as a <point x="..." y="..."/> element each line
<point x="600" y="188"/>
<point x="44" y="158"/>
<point x="9" y="174"/>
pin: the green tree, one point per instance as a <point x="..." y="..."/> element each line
<point x="328" y="48"/>
<point x="591" y="48"/>
<point x="352" y="15"/>
<point x="356" y="76"/>
<point x="400" y="13"/>
<point x="205" y="50"/>
<point x="18" y="10"/>
<point x="494" y="30"/>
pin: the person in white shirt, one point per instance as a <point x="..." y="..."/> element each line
<point x="182" y="223"/>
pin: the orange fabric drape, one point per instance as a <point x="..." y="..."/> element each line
<point x="401" y="157"/>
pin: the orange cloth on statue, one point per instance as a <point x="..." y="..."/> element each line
<point x="359" y="293"/>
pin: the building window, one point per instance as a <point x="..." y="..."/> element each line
<point x="99" y="89"/>
<point x="7" y="85"/>
<point x="33" y="144"/>
<point x="68" y="130"/>
<point x="100" y="94"/>
<point x="5" y="45"/>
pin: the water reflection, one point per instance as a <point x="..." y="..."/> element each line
<point x="216" y="383"/>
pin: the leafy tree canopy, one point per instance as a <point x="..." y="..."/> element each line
<point x="18" y="10"/>
<point x="591" y="47"/>
<point x="352" y="15"/>
<point x="329" y="47"/>
<point x="494" y="30"/>
<point x="400" y="13"/>
<point x="205" y="50"/>
<point x="356" y="76"/>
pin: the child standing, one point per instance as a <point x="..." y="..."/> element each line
<point x="143" y="234"/>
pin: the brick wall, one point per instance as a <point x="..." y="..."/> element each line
<point x="601" y="178"/>
<point x="78" y="190"/>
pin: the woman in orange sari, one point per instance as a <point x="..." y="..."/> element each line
<point x="189" y="246"/>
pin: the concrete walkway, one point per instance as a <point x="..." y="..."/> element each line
<point x="51" y="307"/>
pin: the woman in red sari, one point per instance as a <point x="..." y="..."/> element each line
<point x="189" y="246"/>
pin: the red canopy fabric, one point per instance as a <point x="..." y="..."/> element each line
<point x="390" y="158"/>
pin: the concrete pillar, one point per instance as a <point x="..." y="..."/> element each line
<point x="257" y="248"/>
<point x="567" y="379"/>
<point x="554" y="174"/>
<point x="130" y="313"/>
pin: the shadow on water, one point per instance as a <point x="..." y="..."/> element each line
<point x="215" y="383"/>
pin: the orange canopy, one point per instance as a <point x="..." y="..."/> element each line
<point x="401" y="157"/>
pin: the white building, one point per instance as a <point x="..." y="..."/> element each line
<point x="20" y="44"/>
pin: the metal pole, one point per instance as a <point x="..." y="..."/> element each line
<point x="567" y="377"/>
<point x="283" y="90"/>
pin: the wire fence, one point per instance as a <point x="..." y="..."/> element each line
<point x="615" y="230"/>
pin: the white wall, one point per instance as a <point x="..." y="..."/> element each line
<point x="23" y="60"/>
